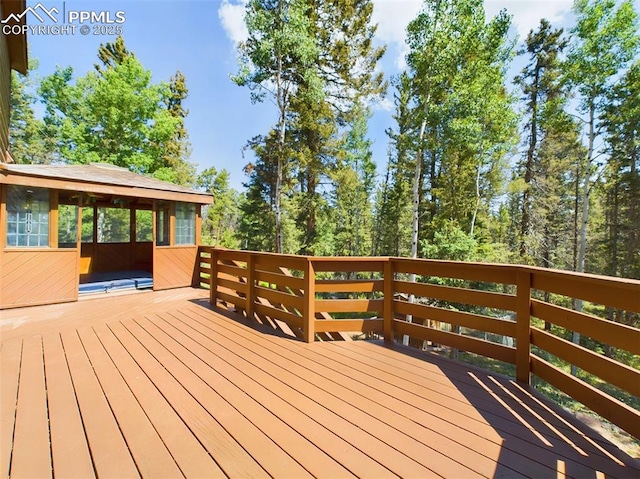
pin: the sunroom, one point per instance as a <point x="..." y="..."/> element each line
<point x="67" y="230"/>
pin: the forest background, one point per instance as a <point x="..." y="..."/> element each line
<point x="542" y="169"/>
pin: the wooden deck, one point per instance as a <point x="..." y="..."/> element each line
<point x="159" y="385"/>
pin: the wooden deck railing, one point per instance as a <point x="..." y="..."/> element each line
<point x="491" y="310"/>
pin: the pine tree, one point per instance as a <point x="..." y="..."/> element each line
<point x="112" y="54"/>
<point x="346" y="66"/>
<point x="604" y="40"/>
<point x="178" y="148"/>
<point x="621" y="121"/>
<point x="278" y="56"/>
<point x="539" y="82"/>
<point x="221" y="219"/>
<point x="393" y="206"/>
<point x="354" y="180"/>
<point x="30" y="140"/>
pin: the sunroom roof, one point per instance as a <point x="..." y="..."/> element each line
<point x="98" y="178"/>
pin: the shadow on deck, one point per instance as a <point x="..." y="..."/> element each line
<point x="159" y="384"/>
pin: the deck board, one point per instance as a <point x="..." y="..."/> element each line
<point x="158" y="384"/>
<point x="31" y="454"/>
<point x="109" y="451"/>
<point x="198" y="358"/>
<point x="223" y="448"/>
<point x="145" y="445"/>
<point x="266" y="389"/>
<point x="405" y="455"/>
<point x="69" y="449"/>
<point x="189" y="454"/>
<point x="554" y="420"/>
<point x="174" y="358"/>
<point x="10" y="359"/>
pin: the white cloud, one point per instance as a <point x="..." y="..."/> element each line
<point x="527" y="14"/>
<point x="393" y="16"/>
<point x="231" y="14"/>
<point x="385" y="104"/>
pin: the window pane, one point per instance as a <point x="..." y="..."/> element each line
<point x="114" y="225"/>
<point x="67" y="226"/>
<point x="185" y="223"/>
<point x="27" y="216"/>
<point x="87" y="224"/>
<point x="162" y="226"/>
<point x="144" y="228"/>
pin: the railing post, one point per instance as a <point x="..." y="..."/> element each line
<point x="213" y="278"/>
<point x="523" y="326"/>
<point x="251" y="285"/>
<point x="388" y="300"/>
<point x="309" y="314"/>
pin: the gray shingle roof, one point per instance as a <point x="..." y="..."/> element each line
<point x="97" y="173"/>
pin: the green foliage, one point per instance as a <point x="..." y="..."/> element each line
<point x="605" y="40"/>
<point x="393" y="200"/>
<point x="221" y="219"/>
<point x="317" y="63"/>
<point x="621" y="185"/>
<point x="450" y="242"/>
<point x="30" y="140"/>
<point x="354" y="180"/>
<point x="117" y="115"/>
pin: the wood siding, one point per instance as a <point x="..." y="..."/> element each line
<point x="38" y="276"/>
<point x="174" y="266"/>
<point x="5" y="95"/>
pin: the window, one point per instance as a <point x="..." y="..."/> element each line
<point x="185" y="223"/>
<point x="67" y="226"/>
<point x="114" y="225"/>
<point x="162" y="225"/>
<point x="87" y="225"/>
<point x="144" y="230"/>
<point x="27" y="216"/>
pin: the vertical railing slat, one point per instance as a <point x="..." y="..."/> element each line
<point x="309" y="302"/>
<point x="213" y="279"/>
<point x="388" y="300"/>
<point x="523" y="327"/>
<point x="251" y="285"/>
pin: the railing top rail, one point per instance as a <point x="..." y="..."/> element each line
<point x="627" y="283"/>
<point x="349" y="259"/>
<point x="261" y="253"/>
<point x="631" y="285"/>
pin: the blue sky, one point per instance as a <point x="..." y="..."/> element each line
<point x="197" y="37"/>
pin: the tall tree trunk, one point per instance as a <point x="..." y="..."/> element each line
<point x="418" y="173"/>
<point x="586" y="190"/>
<point x="415" y="208"/>
<point x="477" y="206"/>
<point x="528" y="171"/>
<point x="278" y="192"/>
<point x="281" y="100"/>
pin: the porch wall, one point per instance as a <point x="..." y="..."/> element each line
<point x="38" y="276"/>
<point x="174" y="266"/>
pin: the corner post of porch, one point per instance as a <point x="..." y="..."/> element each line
<point x="388" y="300"/>
<point x="523" y="326"/>
<point x="309" y="299"/>
<point x="213" y="278"/>
<point x="251" y="285"/>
